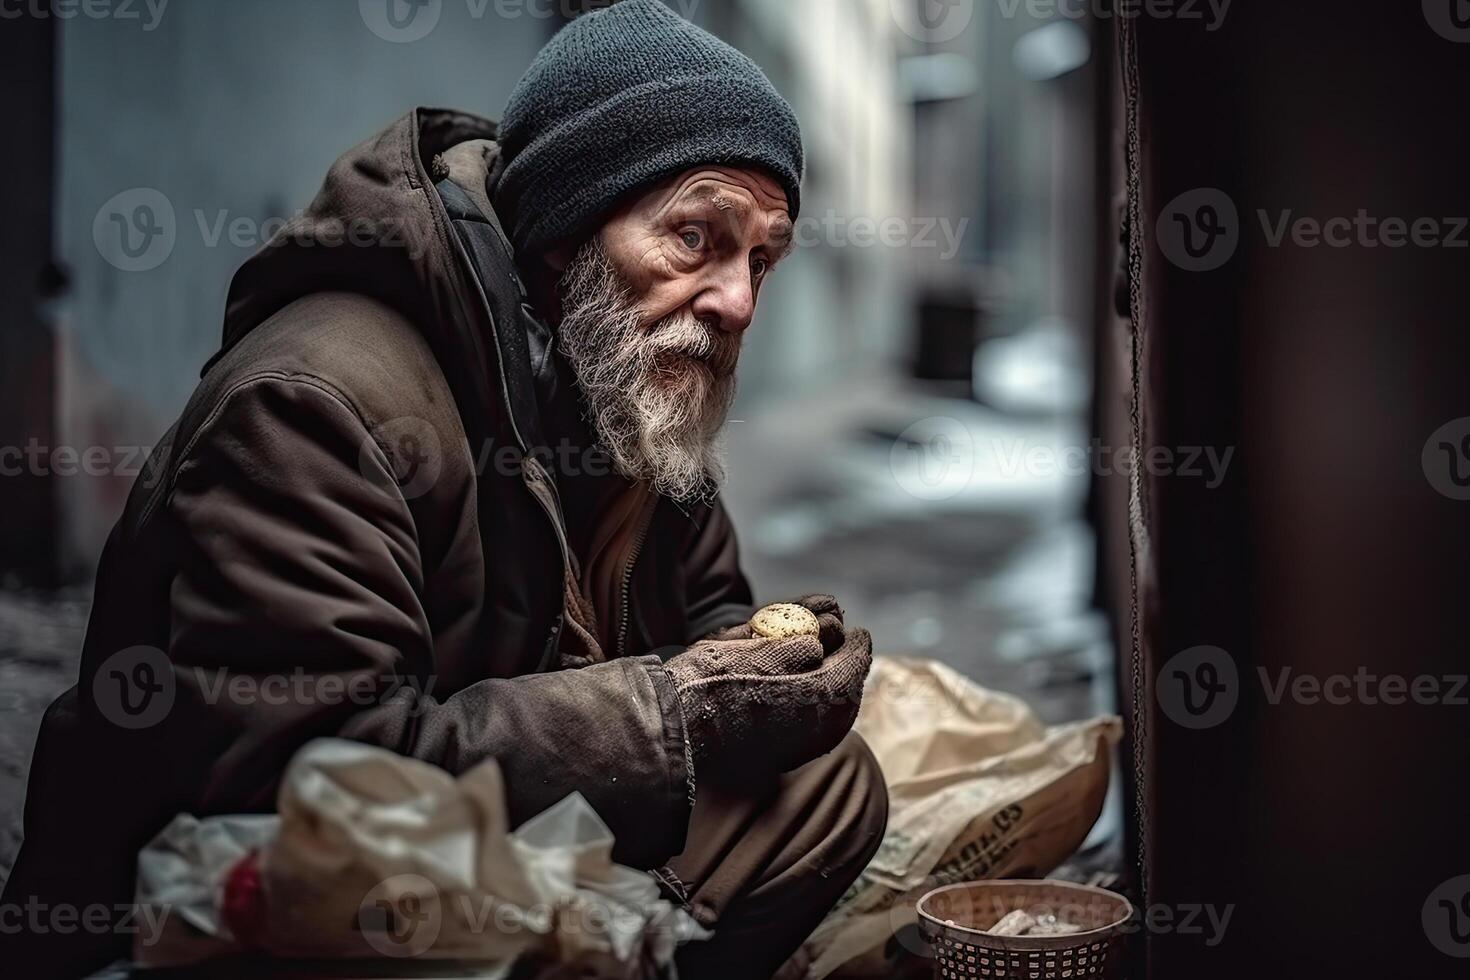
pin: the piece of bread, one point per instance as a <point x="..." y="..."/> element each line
<point x="783" y="619"/>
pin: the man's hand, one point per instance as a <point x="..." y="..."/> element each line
<point x="754" y="705"/>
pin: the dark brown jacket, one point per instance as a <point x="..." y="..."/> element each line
<point x="354" y="500"/>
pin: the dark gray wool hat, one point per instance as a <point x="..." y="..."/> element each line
<point x="624" y="97"/>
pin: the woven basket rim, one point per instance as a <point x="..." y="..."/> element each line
<point x="985" y="940"/>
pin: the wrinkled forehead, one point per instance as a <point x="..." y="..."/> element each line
<point x="744" y="202"/>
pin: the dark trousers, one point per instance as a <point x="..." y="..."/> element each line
<point x="763" y="864"/>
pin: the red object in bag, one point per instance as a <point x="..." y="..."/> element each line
<point x="242" y="906"/>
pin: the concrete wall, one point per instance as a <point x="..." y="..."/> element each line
<point x="27" y="379"/>
<point x="837" y="307"/>
<point x="218" y="111"/>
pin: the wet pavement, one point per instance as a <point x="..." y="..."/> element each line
<point x="40" y="644"/>
<point x="949" y="530"/>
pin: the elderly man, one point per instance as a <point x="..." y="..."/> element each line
<point x="458" y="451"/>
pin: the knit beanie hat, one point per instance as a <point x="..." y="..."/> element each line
<point x="622" y="98"/>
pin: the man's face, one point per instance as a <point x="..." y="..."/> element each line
<point x="654" y="308"/>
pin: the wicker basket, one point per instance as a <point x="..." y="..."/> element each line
<point x="952" y="918"/>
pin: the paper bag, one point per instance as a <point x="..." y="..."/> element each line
<point x="978" y="788"/>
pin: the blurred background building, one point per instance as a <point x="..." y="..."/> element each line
<point x="912" y="395"/>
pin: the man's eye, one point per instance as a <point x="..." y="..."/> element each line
<point x="693" y="239"/>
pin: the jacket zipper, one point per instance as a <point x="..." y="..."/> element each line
<point x="536" y="481"/>
<point x="467" y="276"/>
<point x="530" y="466"/>
<point x="624" y="613"/>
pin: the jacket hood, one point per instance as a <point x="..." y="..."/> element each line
<point x="382" y="226"/>
<point x="378" y="228"/>
<point x="373" y="228"/>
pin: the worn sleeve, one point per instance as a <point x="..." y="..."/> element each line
<point x="297" y="613"/>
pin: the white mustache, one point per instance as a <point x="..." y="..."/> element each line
<point x="683" y="335"/>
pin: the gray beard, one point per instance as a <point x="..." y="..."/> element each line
<point x="657" y="396"/>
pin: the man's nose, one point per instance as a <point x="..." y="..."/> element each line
<point x="726" y="299"/>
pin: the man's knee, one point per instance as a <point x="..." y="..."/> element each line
<point x="863" y="808"/>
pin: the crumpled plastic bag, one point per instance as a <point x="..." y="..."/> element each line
<point x="977" y="787"/>
<point x="373" y="855"/>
